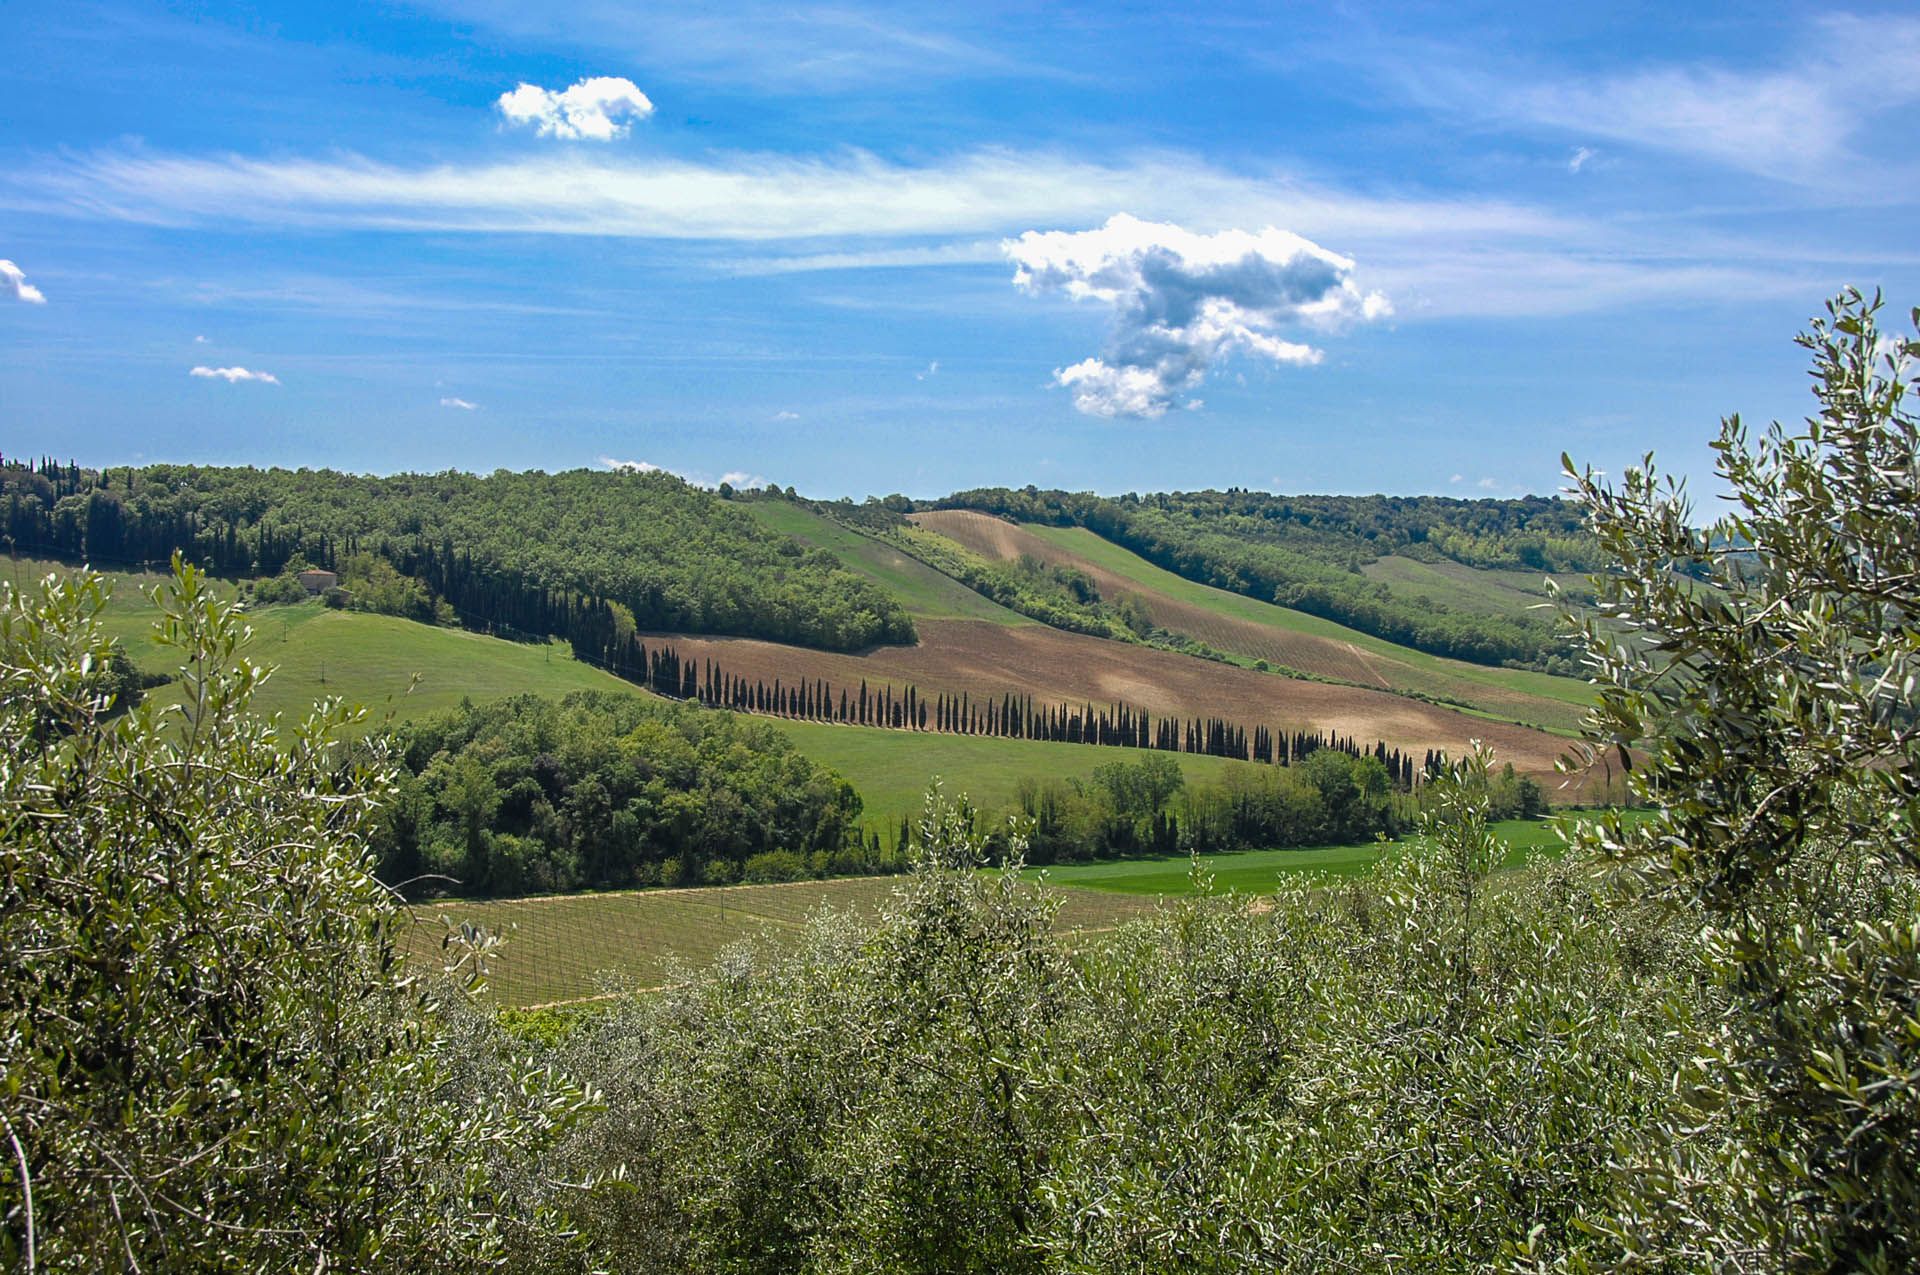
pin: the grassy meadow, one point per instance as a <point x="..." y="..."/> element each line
<point x="1256" y="871"/>
<point x="926" y="593"/>
<point x="892" y="768"/>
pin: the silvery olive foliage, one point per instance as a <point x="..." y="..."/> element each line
<point x="208" y="1057"/>
<point x="1762" y="668"/>
<point x="1426" y="1068"/>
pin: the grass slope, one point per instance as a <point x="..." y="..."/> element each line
<point x="1478" y="590"/>
<point x="892" y="768"/>
<point x="1256" y="871"/>
<point x="1556" y="703"/>
<point x="371" y="660"/>
<point x="925" y="593"/>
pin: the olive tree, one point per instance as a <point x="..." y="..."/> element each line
<point x="1758" y="674"/>
<point x="209" y="1057"/>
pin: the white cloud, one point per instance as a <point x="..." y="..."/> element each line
<point x="751" y="197"/>
<point x="931" y="370"/>
<point x="232" y="375"/>
<point x="597" y="109"/>
<point x="460" y="403"/>
<point x="1581" y="156"/>
<point x="1436" y="257"/>
<point x="1182" y="301"/>
<point x="199" y="340"/>
<point x="14" y="277"/>
<point x="1457" y="478"/>
<point x="1798" y="120"/>
<point x="734" y="477"/>
<point x="786" y="416"/>
<point x="1487" y="484"/>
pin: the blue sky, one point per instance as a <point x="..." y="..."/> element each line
<point x="862" y="249"/>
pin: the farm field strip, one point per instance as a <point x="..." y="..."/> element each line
<point x="1253" y="629"/>
<point x="926" y="593"/>
<point x="572" y="947"/>
<point x="892" y="768"/>
<point x="1258" y="871"/>
<point x="986" y="660"/>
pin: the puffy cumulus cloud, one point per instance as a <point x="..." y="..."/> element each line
<point x="12" y="276"/>
<point x="234" y="375"/>
<point x="597" y="109"/>
<point x="460" y="403"/>
<point x="1183" y="300"/>
<point x="733" y="477"/>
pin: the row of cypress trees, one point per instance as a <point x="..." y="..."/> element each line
<point x="662" y="669"/>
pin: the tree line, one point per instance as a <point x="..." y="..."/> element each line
<point x="1010" y="715"/>
<point x="528" y="552"/>
<point x="1306" y="553"/>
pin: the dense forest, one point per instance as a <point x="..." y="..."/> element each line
<point x="529" y="796"/>
<point x="527" y="552"/>
<point x="1306" y="552"/>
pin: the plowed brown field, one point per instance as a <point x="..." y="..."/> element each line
<point x="1259" y="631"/>
<point x="993" y="537"/>
<point x="988" y="660"/>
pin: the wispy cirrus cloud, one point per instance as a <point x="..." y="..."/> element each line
<point x="1184" y="301"/>
<point x="599" y="109"/>
<point x="777" y="48"/>
<point x="743" y="196"/>
<point x="1436" y="255"/>
<point x="459" y="404"/>
<point x="234" y="375"/>
<point x="1798" y="120"/>
<point x="15" y="279"/>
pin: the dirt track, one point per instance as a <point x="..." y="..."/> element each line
<point x="989" y="660"/>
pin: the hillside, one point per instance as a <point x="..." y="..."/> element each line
<point x="570" y="554"/>
<point x="1289" y="639"/>
<point x="1308" y="553"/>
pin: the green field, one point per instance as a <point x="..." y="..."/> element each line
<point x="891" y="768"/>
<point x="567" y="947"/>
<point x="1477" y="590"/>
<point x="923" y="591"/>
<point x="372" y="660"/>
<point x="1565" y="698"/>
<point x="1256" y="871"/>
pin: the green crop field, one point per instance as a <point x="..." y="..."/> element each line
<point x="371" y="660"/>
<point x="891" y="768"/>
<point x="570" y="947"/>
<point x="1256" y="871"/>
<point x="922" y="590"/>
<point x="1560" y="700"/>
<point x="1479" y="590"/>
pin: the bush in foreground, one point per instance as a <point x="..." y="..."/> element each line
<point x="207" y="1058"/>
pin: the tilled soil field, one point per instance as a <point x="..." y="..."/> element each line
<point x="986" y="661"/>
